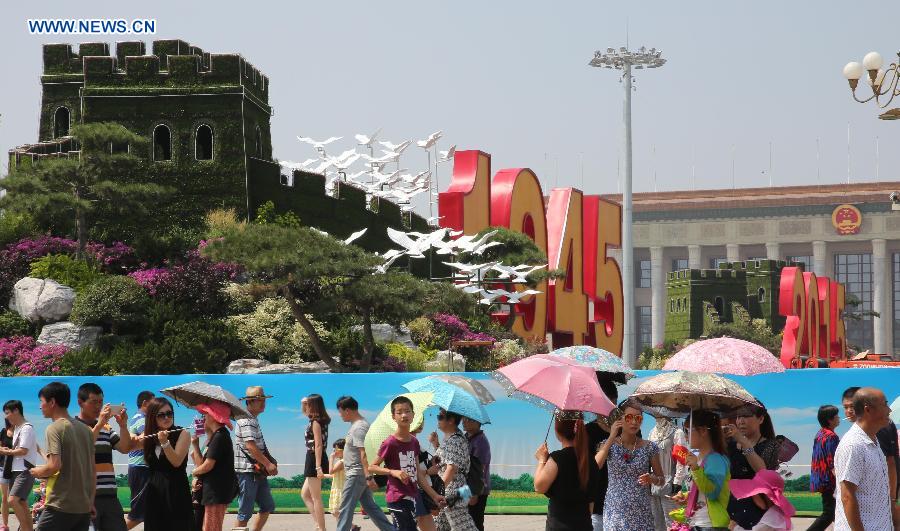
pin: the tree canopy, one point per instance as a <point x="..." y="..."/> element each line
<point x="98" y="186"/>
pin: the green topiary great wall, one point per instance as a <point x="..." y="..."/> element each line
<point x="208" y="121"/>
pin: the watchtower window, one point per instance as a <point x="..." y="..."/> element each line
<point x="720" y="305"/>
<point x="61" y="122"/>
<point x="259" y="146"/>
<point x="761" y="295"/>
<point x="203" y="145"/>
<point x="162" y="143"/>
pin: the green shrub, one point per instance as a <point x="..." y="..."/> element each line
<point x="239" y="298"/>
<point x="184" y="347"/>
<point x="507" y="351"/>
<point x="68" y="271"/>
<point x="421" y="331"/>
<point x="271" y="332"/>
<point x="117" y="303"/>
<point x="15" y="226"/>
<point x="88" y="361"/>
<point x="13" y="324"/>
<point x="413" y="358"/>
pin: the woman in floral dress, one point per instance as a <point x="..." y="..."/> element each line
<point x="628" y="458"/>
<point x="454" y="461"/>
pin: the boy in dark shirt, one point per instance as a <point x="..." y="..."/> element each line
<point x="399" y="455"/>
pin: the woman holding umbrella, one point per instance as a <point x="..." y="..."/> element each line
<point x="165" y="452"/>
<point x="628" y="458"/>
<point x="216" y="467"/>
<point x="567" y="476"/>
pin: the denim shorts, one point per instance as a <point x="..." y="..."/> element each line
<point x="255" y="490"/>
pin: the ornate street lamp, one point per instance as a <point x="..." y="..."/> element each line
<point x="624" y="60"/>
<point x="883" y="82"/>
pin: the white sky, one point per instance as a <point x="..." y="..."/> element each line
<point x="511" y="78"/>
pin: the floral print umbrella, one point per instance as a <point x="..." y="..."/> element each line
<point x="725" y="355"/>
<point x="680" y="393"/>
<point x="596" y="358"/>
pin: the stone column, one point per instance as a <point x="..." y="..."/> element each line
<point x="773" y="251"/>
<point x="657" y="296"/>
<point x="880" y="294"/>
<point x="616" y="254"/>
<point x="694" y="257"/>
<point x="733" y="252"/>
<point x="820" y="258"/>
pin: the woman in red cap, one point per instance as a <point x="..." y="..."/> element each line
<point x="216" y="467"/>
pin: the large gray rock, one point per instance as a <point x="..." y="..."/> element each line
<point x="70" y="335"/>
<point x="251" y="366"/>
<point x="287" y="368"/>
<point x="443" y="362"/>
<point x="42" y="300"/>
<point x="385" y="333"/>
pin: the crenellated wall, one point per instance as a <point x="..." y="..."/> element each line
<point x="171" y="63"/>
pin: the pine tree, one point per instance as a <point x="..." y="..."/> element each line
<point x="99" y="185"/>
<point x="320" y="277"/>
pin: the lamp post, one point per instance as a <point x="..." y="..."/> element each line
<point x="626" y="60"/>
<point x="883" y="82"/>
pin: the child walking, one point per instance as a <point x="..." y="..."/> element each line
<point x="398" y="458"/>
<point x="336" y="474"/>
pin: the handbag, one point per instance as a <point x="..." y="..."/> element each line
<point x="787" y="449"/>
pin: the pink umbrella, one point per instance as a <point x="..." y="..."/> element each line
<point x="554" y="383"/>
<point x="724" y="355"/>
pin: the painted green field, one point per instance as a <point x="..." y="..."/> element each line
<point x="500" y="502"/>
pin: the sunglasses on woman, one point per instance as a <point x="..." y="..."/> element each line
<point x="165" y="415"/>
<point x="633" y="418"/>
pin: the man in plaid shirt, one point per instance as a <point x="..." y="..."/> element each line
<point x="821" y="476"/>
<point x="249" y="449"/>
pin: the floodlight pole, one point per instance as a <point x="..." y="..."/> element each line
<point x="628" y="339"/>
<point x="625" y="60"/>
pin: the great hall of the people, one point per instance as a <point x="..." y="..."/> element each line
<point x="848" y="232"/>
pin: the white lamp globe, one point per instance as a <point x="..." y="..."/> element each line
<point x="872" y="61"/>
<point x="853" y="70"/>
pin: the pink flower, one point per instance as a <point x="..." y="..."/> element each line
<point x="28" y="358"/>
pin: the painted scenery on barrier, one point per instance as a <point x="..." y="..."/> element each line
<point x="516" y="430"/>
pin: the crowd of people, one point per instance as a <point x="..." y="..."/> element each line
<point x="445" y="489"/>
<point x="710" y="473"/>
<point x="717" y="473"/>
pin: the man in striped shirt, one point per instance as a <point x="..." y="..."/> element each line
<point x="138" y="472"/>
<point x="96" y="415"/>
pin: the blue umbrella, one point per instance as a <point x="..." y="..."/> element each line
<point x="596" y="358"/>
<point x="451" y="398"/>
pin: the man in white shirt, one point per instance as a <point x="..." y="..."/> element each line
<point x="861" y="468"/>
<point x="24" y="455"/>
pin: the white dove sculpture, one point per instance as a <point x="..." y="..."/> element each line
<point x="396" y="148"/>
<point x="318" y="144"/>
<point x="472" y="270"/>
<point x="431" y="140"/>
<point x="355" y="236"/>
<point x="448" y="155"/>
<point x="516" y="296"/>
<point x="367" y="140"/>
<point x="516" y="274"/>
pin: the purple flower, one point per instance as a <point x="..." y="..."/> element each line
<point x="196" y="282"/>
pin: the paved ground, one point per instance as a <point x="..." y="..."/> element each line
<point x="294" y="522"/>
